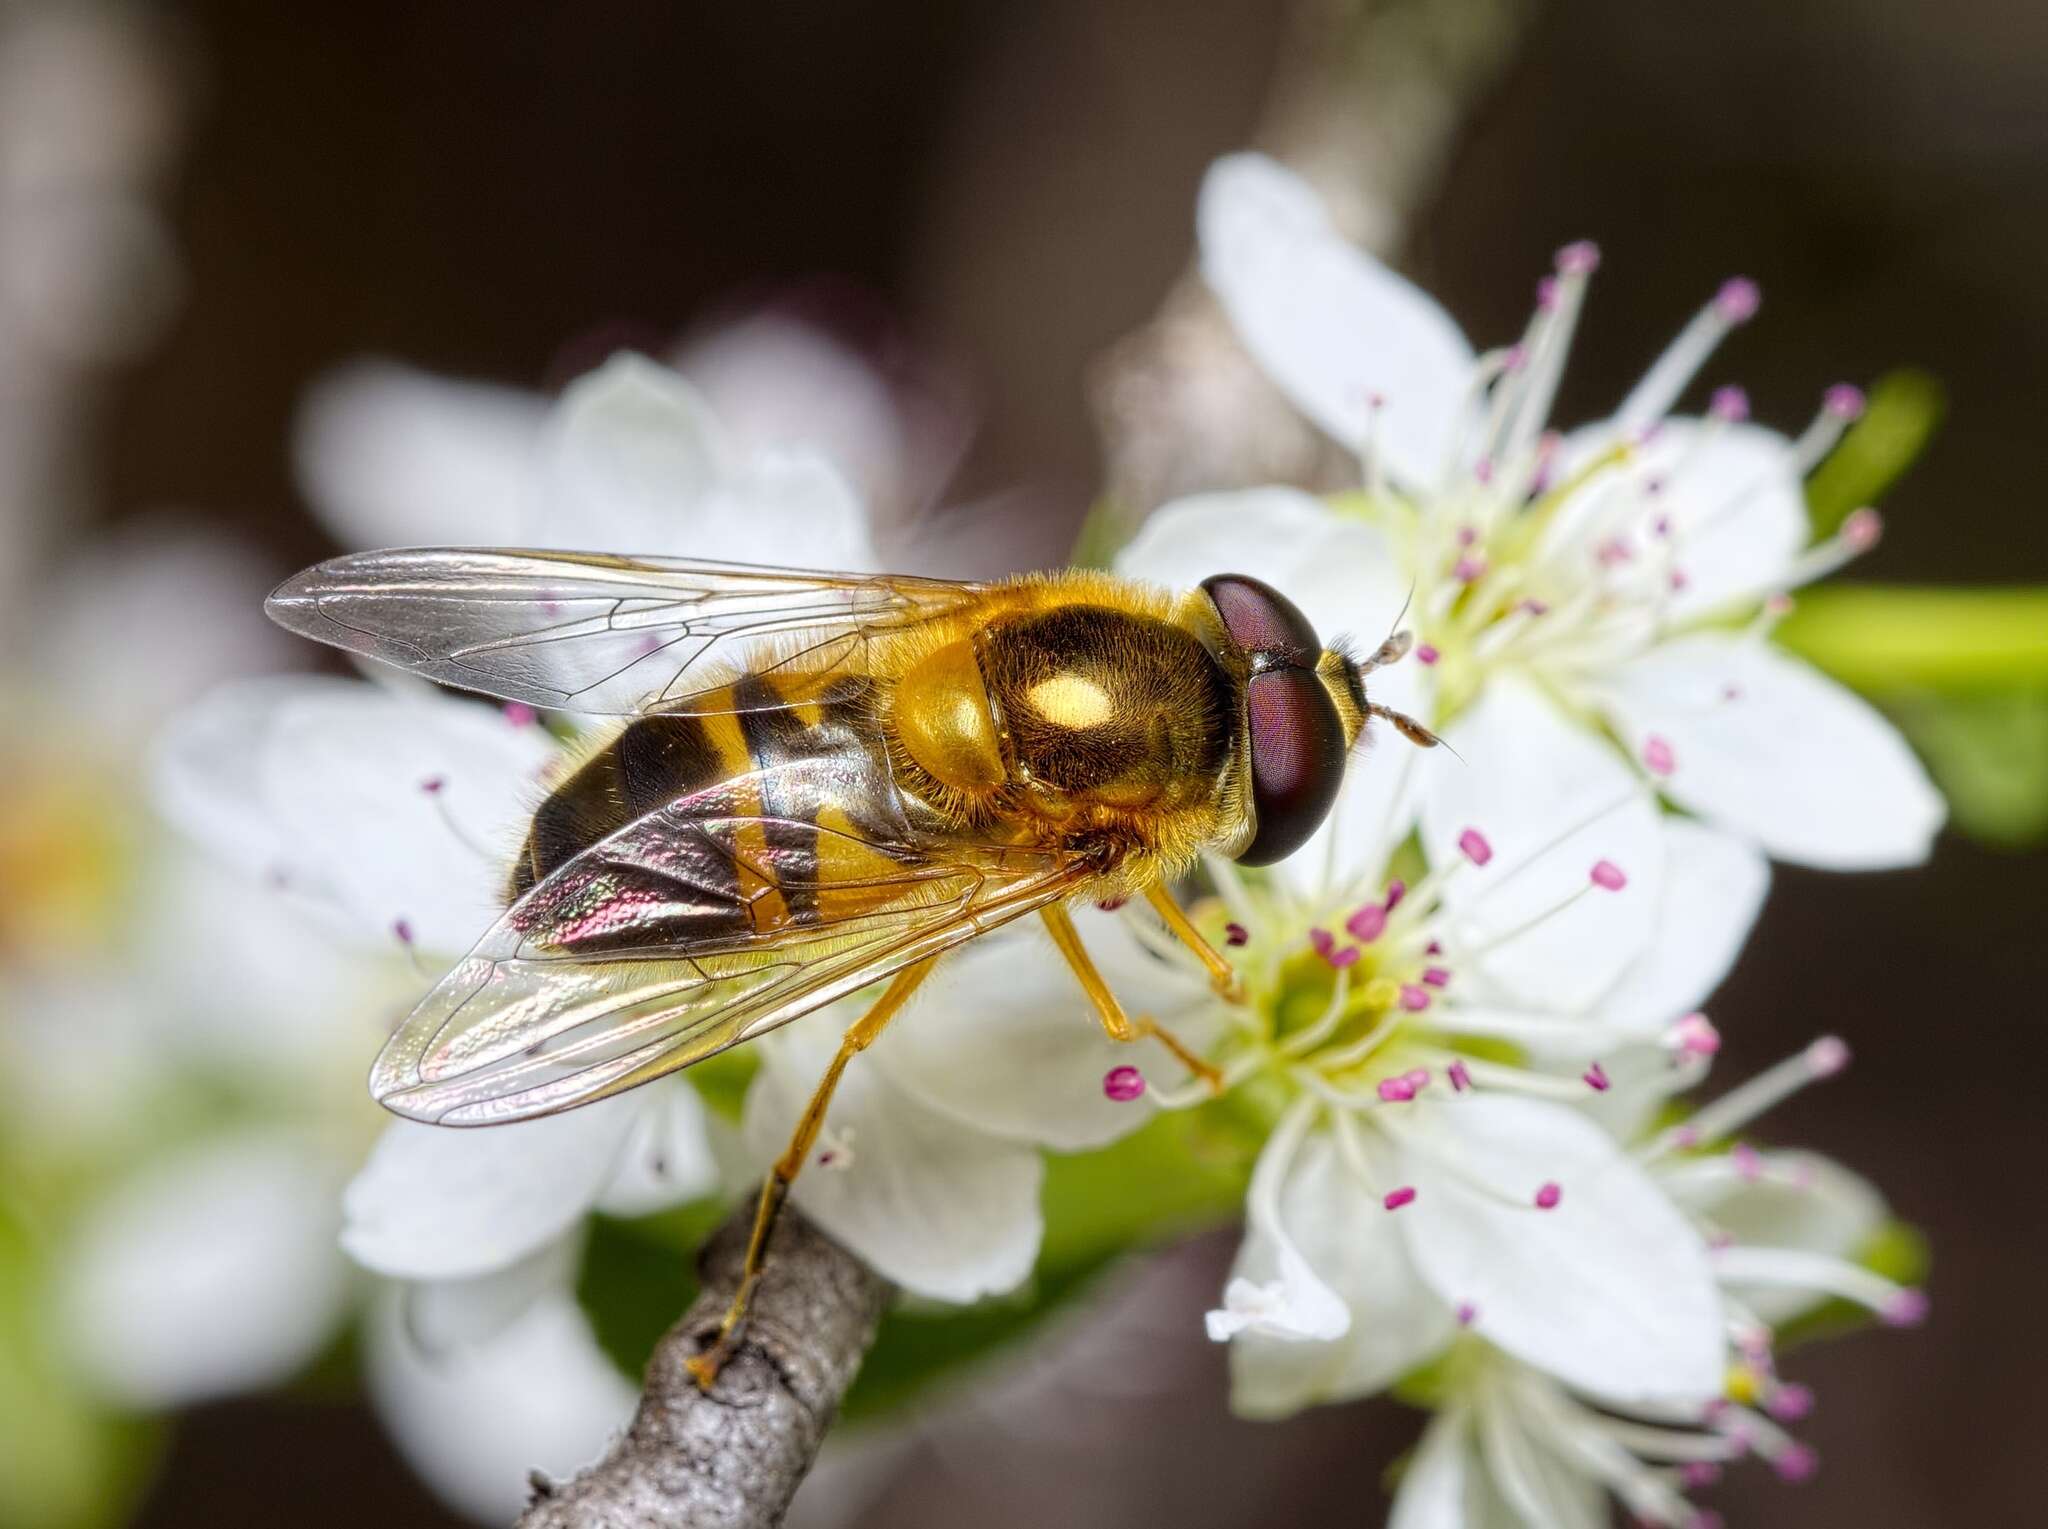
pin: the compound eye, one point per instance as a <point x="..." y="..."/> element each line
<point x="1260" y="619"/>
<point x="1297" y="763"/>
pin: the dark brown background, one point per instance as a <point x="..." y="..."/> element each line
<point x="485" y="188"/>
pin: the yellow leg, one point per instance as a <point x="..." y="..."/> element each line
<point x="775" y="1188"/>
<point x="1115" y="1022"/>
<point x="1222" y="975"/>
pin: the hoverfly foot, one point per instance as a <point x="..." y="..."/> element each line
<point x="1210" y="1074"/>
<point x="704" y="1367"/>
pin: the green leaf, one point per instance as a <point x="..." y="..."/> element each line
<point x="65" y="1462"/>
<point x="1989" y="753"/>
<point x="1104" y="530"/>
<point x="1890" y="639"/>
<point x="722" y="1080"/>
<point x="1183" y="1172"/>
<point x="638" y="1276"/>
<point x="1903" y="411"/>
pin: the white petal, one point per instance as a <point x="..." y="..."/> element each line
<point x="631" y="451"/>
<point x="209" y="1272"/>
<point x="1340" y="568"/>
<point x="443" y="1317"/>
<point x="1769" y="748"/>
<point x="304" y="1008"/>
<point x="666" y="1158"/>
<point x="1525" y="1482"/>
<point x="1737" y="506"/>
<point x="1546" y="1036"/>
<point x="1714" y="887"/>
<point x="1552" y="799"/>
<point x="1328" y="323"/>
<point x="205" y="768"/>
<point x="1643" y="1075"/>
<point x="1294" y="1306"/>
<point x="390" y="456"/>
<point x="438" y="1202"/>
<point x="788" y="499"/>
<point x="778" y="382"/>
<point x="410" y="805"/>
<point x="1002" y="1040"/>
<point x="1354" y="1246"/>
<point x="1800" y="1201"/>
<point x="637" y="463"/>
<point x="540" y="1396"/>
<point x="940" y="1209"/>
<point x="1732" y="497"/>
<point x="1434" y="1487"/>
<point x="1610" y="1291"/>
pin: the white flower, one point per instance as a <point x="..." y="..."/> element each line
<point x="949" y="1111"/>
<point x="1603" y="568"/>
<point x="1511" y="1445"/>
<point x="209" y="1270"/>
<point x="186" y="1263"/>
<point x="476" y="1422"/>
<point x="387" y="812"/>
<point x="392" y="456"/>
<point x="392" y="810"/>
<point x="1413" y="1173"/>
<point x="1510" y="1448"/>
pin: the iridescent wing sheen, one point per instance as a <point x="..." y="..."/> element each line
<point x="696" y="927"/>
<point x="595" y="633"/>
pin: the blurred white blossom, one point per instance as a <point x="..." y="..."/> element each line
<point x="187" y="1256"/>
<point x="392" y="456"/>
<point x="390" y="812"/>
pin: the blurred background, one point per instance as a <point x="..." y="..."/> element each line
<point x="208" y="208"/>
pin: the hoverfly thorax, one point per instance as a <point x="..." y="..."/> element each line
<point x="1304" y="706"/>
<point x="1120" y="708"/>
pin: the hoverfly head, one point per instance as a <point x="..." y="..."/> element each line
<point x="1305" y="706"/>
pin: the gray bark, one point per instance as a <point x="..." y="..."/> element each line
<point x="733" y="1457"/>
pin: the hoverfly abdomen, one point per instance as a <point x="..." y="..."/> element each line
<point x="651" y="761"/>
<point x="734" y="745"/>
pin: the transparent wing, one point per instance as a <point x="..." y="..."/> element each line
<point x="591" y="632"/>
<point x="694" y="928"/>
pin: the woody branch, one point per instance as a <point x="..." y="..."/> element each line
<point x="732" y="1457"/>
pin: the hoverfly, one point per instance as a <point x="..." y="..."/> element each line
<point x="828" y="779"/>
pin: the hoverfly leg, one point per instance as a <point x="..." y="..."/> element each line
<point x="1222" y="975"/>
<point x="1392" y="651"/>
<point x="1405" y="725"/>
<point x="1115" y="1023"/>
<point x="859" y="1036"/>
